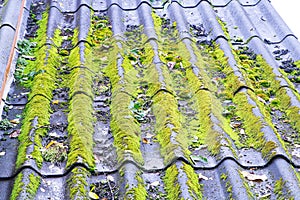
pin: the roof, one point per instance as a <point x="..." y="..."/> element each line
<point x="148" y="100"/>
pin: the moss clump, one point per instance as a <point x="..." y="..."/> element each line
<point x="193" y="182"/>
<point x="268" y="147"/>
<point x="28" y="187"/>
<point x="252" y="123"/>
<point x="206" y="102"/>
<point x="139" y="192"/>
<point x="81" y="118"/>
<point x="18" y="187"/>
<point x="78" y="183"/>
<point x="172" y="187"/>
<point x="38" y="107"/>
<point x="279" y="188"/>
<point x="33" y="186"/>
<point x="124" y="127"/>
<point x="167" y="122"/>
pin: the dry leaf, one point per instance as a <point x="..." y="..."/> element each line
<point x="55" y="102"/>
<point x="93" y="195"/>
<point x="14" y="133"/>
<point x="146" y="141"/>
<point x="202" y="177"/>
<point x="50" y="144"/>
<point x="2" y="153"/>
<point x="15" y="121"/>
<point x="254" y="177"/>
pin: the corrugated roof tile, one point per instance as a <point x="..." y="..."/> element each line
<point x="149" y="100"/>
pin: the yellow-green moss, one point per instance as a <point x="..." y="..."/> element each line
<point x="125" y="128"/>
<point x="17" y="187"/>
<point x="205" y="100"/>
<point x="259" y="76"/>
<point x="78" y="183"/>
<point x="33" y="185"/>
<point x="80" y="116"/>
<point x="279" y="187"/>
<point x="139" y="192"/>
<point x="29" y="187"/>
<point x="39" y="105"/>
<point x="252" y="124"/>
<point x="193" y="182"/>
<point x="172" y="187"/>
<point x="167" y="121"/>
<point x="246" y="186"/>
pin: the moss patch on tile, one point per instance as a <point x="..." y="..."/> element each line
<point x="38" y="106"/>
<point x="78" y="183"/>
<point x="172" y="187"/>
<point x="80" y="117"/>
<point x="193" y="182"/>
<point x="139" y="192"/>
<point x="17" y="187"/>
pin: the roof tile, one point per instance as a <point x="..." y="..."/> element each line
<point x="150" y="100"/>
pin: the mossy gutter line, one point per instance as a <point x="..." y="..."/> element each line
<point x="206" y="107"/>
<point x="138" y="190"/>
<point x="37" y="109"/>
<point x="266" y="86"/>
<point x="265" y="145"/>
<point x="80" y="122"/>
<point x="172" y="186"/>
<point x="80" y="117"/>
<point x="125" y="128"/>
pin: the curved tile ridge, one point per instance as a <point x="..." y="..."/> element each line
<point x="9" y="25"/>
<point x="150" y="170"/>
<point x="184" y="38"/>
<point x="163" y="6"/>
<point x="266" y="41"/>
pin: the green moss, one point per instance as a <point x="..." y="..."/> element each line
<point x="78" y="184"/>
<point x="278" y="188"/>
<point x="259" y="76"/>
<point x="125" y="128"/>
<point x="139" y="192"/>
<point x="268" y="147"/>
<point x="80" y="127"/>
<point x="33" y="186"/>
<point x="252" y="123"/>
<point x="229" y="189"/>
<point x="246" y="186"/>
<point x="224" y="176"/>
<point x="40" y="96"/>
<point x="172" y="187"/>
<point x="28" y="187"/>
<point x="193" y="182"/>
<point x="18" y="187"/>
<point x="207" y="102"/>
<point x="167" y="121"/>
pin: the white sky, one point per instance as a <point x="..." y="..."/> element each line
<point x="289" y="10"/>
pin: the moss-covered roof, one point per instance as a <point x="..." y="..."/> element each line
<point x="149" y="100"/>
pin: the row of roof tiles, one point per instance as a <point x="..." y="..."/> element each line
<point x="128" y="104"/>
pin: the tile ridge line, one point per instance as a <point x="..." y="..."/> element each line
<point x="153" y="170"/>
<point x="167" y="3"/>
